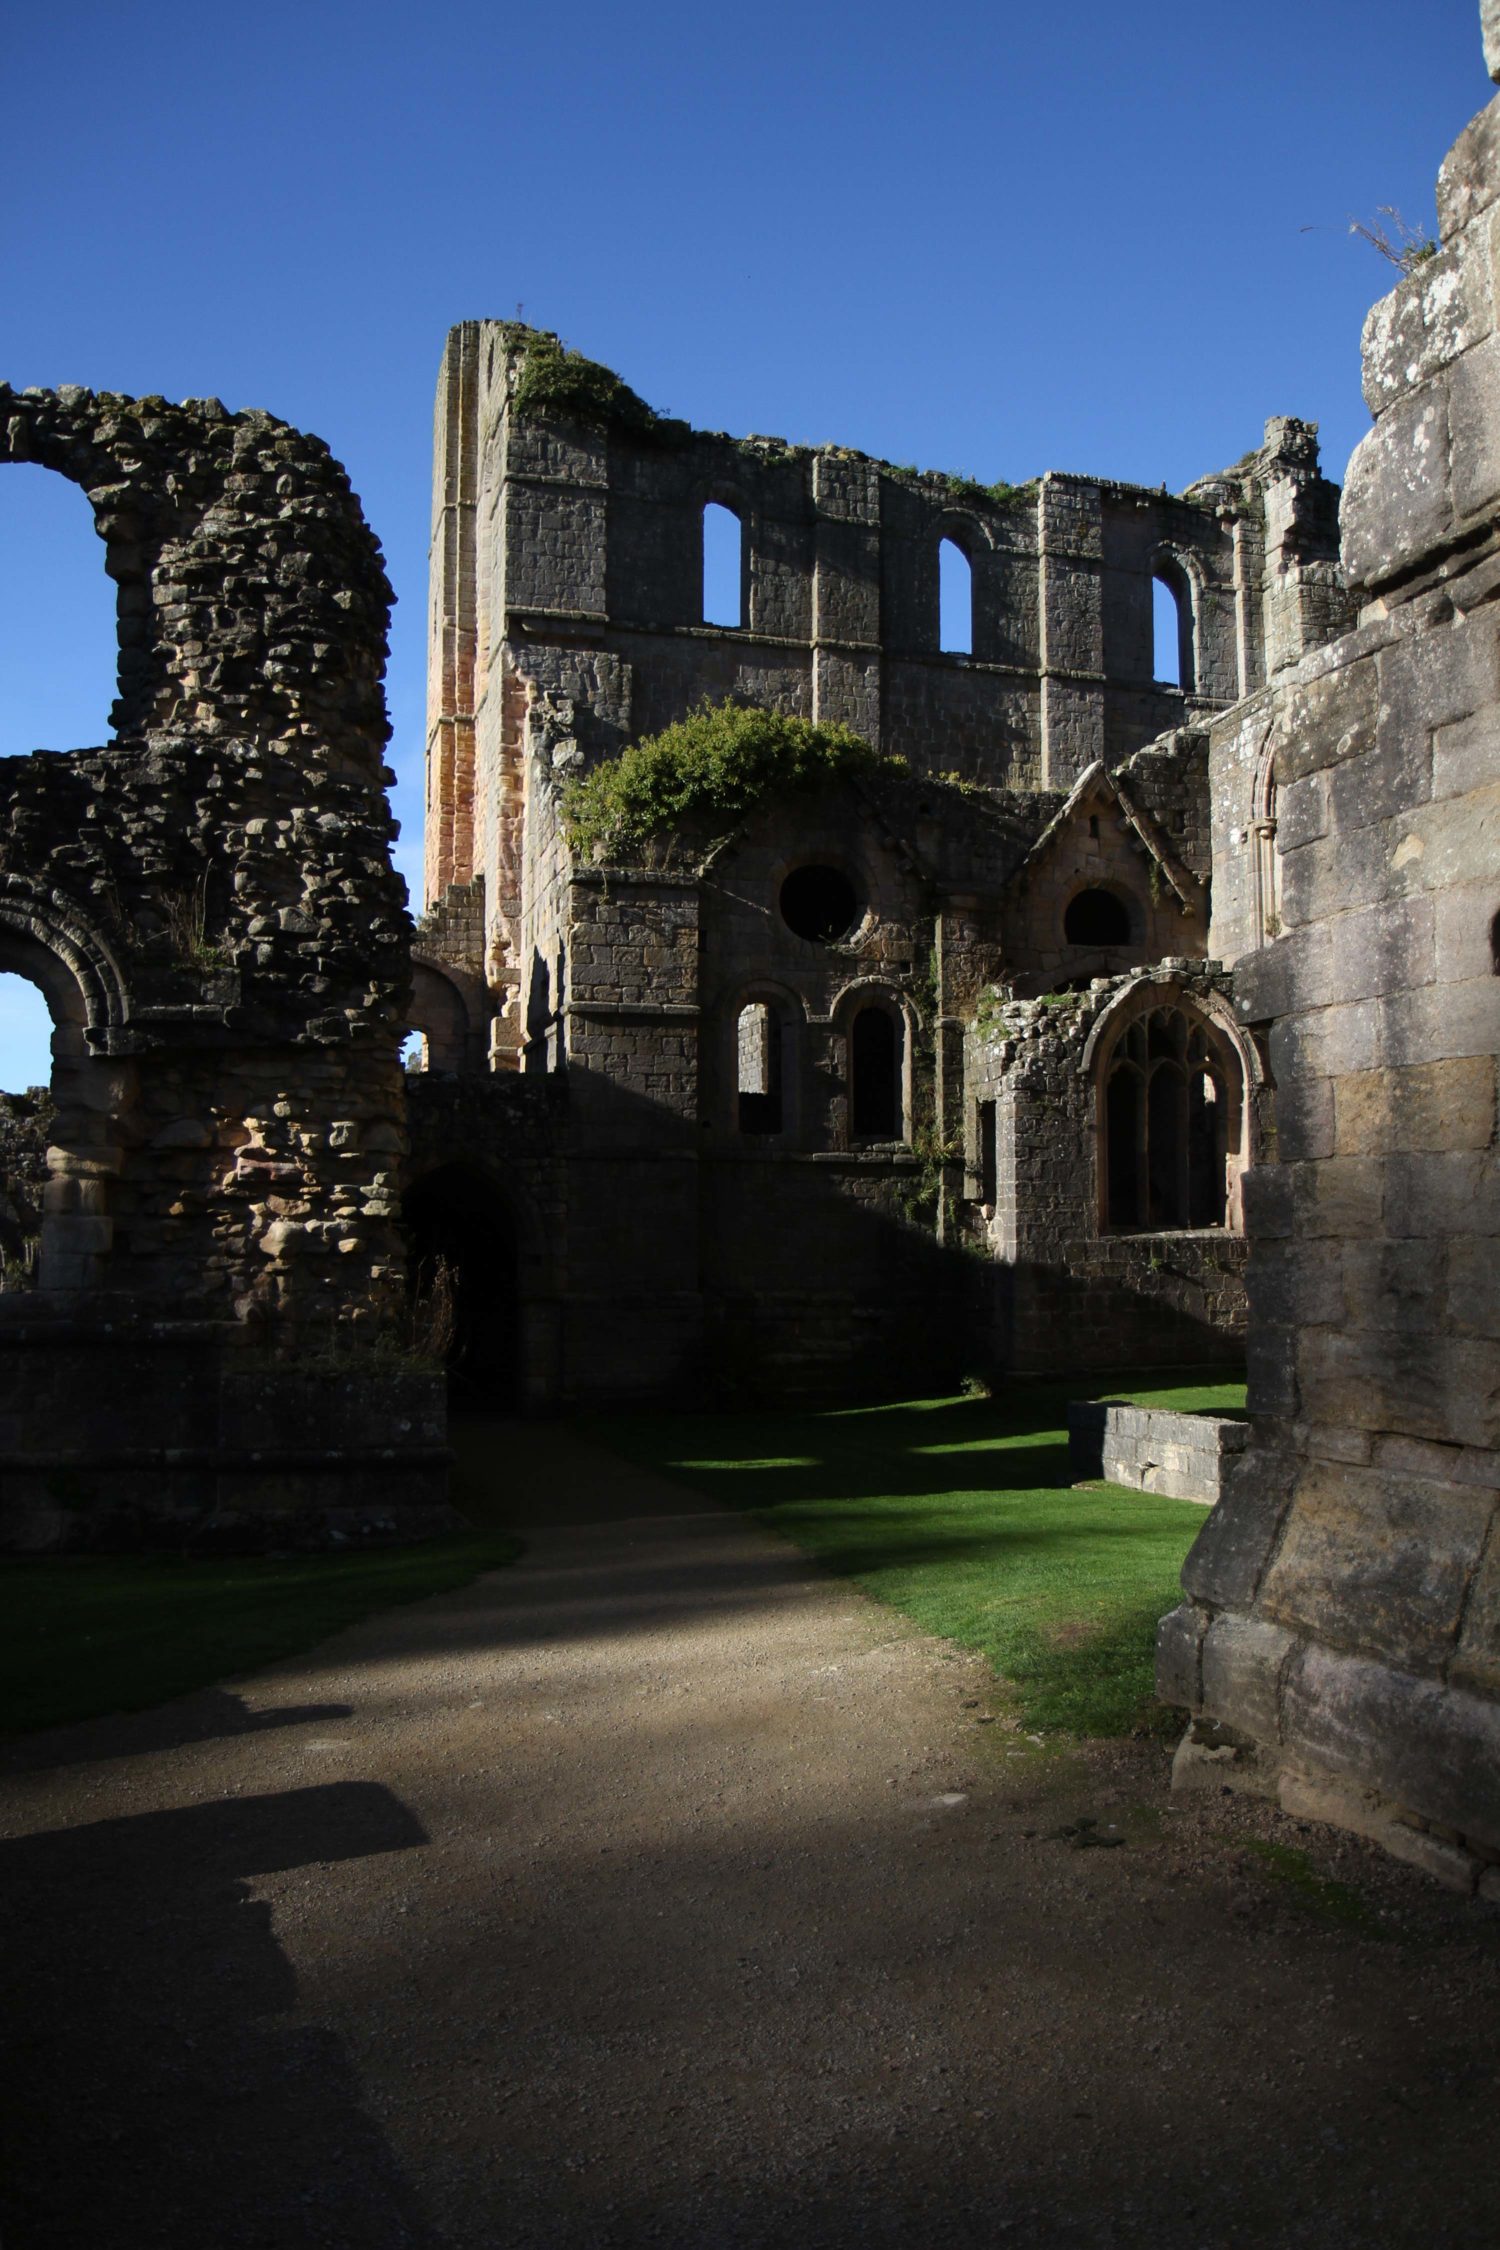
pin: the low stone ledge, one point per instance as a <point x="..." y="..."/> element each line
<point x="1179" y="1455"/>
<point x="179" y="1438"/>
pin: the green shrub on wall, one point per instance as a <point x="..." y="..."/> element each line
<point x="713" y="766"/>
<point x="554" y="379"/>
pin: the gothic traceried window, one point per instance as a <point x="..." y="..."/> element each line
<point x="1169" y="1124"/>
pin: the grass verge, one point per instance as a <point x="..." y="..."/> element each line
<point x="958" y="1513"/>
<point x="82" y="1635"/>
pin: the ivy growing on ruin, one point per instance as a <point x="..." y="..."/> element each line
<point x="709" y="769"/>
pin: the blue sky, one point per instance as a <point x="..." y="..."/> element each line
<point x="990" y="238"/>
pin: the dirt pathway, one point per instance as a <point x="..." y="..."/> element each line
<point x="662" y="1890"/>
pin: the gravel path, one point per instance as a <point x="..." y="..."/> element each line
<point x="661" y="1890"/>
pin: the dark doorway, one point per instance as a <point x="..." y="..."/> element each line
<point x="459" y="1235"/>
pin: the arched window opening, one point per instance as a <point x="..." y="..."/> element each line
<point x="1170" y="1125"/>
<point x="759" y="1039"/>
<point x="414" y="1051"/>
<point x="1495" y="945"/>
<point x="1172" y="628"/>
<point x="955" y="599"/>
<point x="59" y="634"/>
<point x="1097" y="918"/>
<point x="25" y="1036"/>
<point x="818" y="903"/>
<point x="723" y="567"/>
<point x="875" y="1076"/>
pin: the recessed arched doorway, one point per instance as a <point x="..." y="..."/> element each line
<point x="461" y="1239"/>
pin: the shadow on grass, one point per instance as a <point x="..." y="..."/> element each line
<point x="955" y="1511"/>
<point x="959" y="1514"/>
<point x="82" y="1636"/>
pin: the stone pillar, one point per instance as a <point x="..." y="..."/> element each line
<point x="452" y="623"/>
<point x="846" y="594"/>
<point x="1340" y="1644"/>
<point x="1070" y="540"/>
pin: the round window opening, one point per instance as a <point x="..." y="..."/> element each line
<point x="818" y="903"/>
<point x="1096" y="918"/>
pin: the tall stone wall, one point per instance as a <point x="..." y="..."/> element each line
<point x="567" y="570"/>
<point x="1340" y="1640"/>
<point x="208" y="905"/>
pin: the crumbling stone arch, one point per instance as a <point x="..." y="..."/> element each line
<point x="208" y="904"/>
<point x="45" y="938"/>
<point x="55" y="577"/>
<point x="72" y="447"/>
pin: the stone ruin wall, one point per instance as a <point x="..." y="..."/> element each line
<point x="1340" y="1640"/>
<point x="566" y="615"/>
<point x="566" y="621"/>
<point x="207" y="903"/>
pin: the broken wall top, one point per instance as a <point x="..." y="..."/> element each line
<point x="220" y="869"/>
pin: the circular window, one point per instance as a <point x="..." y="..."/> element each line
<point x="1096" y="918"/>
<point x="818" y="903"/>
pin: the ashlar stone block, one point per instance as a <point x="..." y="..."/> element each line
<point x="1382" y="1563"/>
<point x="1397" y="504"/>
<point x="1424" y="1106"/>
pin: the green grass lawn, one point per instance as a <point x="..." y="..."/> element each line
<point x="81" y="1635"/>
<point x="958" y="1513"/>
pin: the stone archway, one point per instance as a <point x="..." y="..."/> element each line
<point x="93" y="1094"/>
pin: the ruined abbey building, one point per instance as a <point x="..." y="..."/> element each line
<point x="822" y="1101"/>
<point x="1071" y="1018"/>
<point x="1008" y="1060"/>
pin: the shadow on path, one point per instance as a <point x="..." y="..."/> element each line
<point x="156" y="2090"/>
